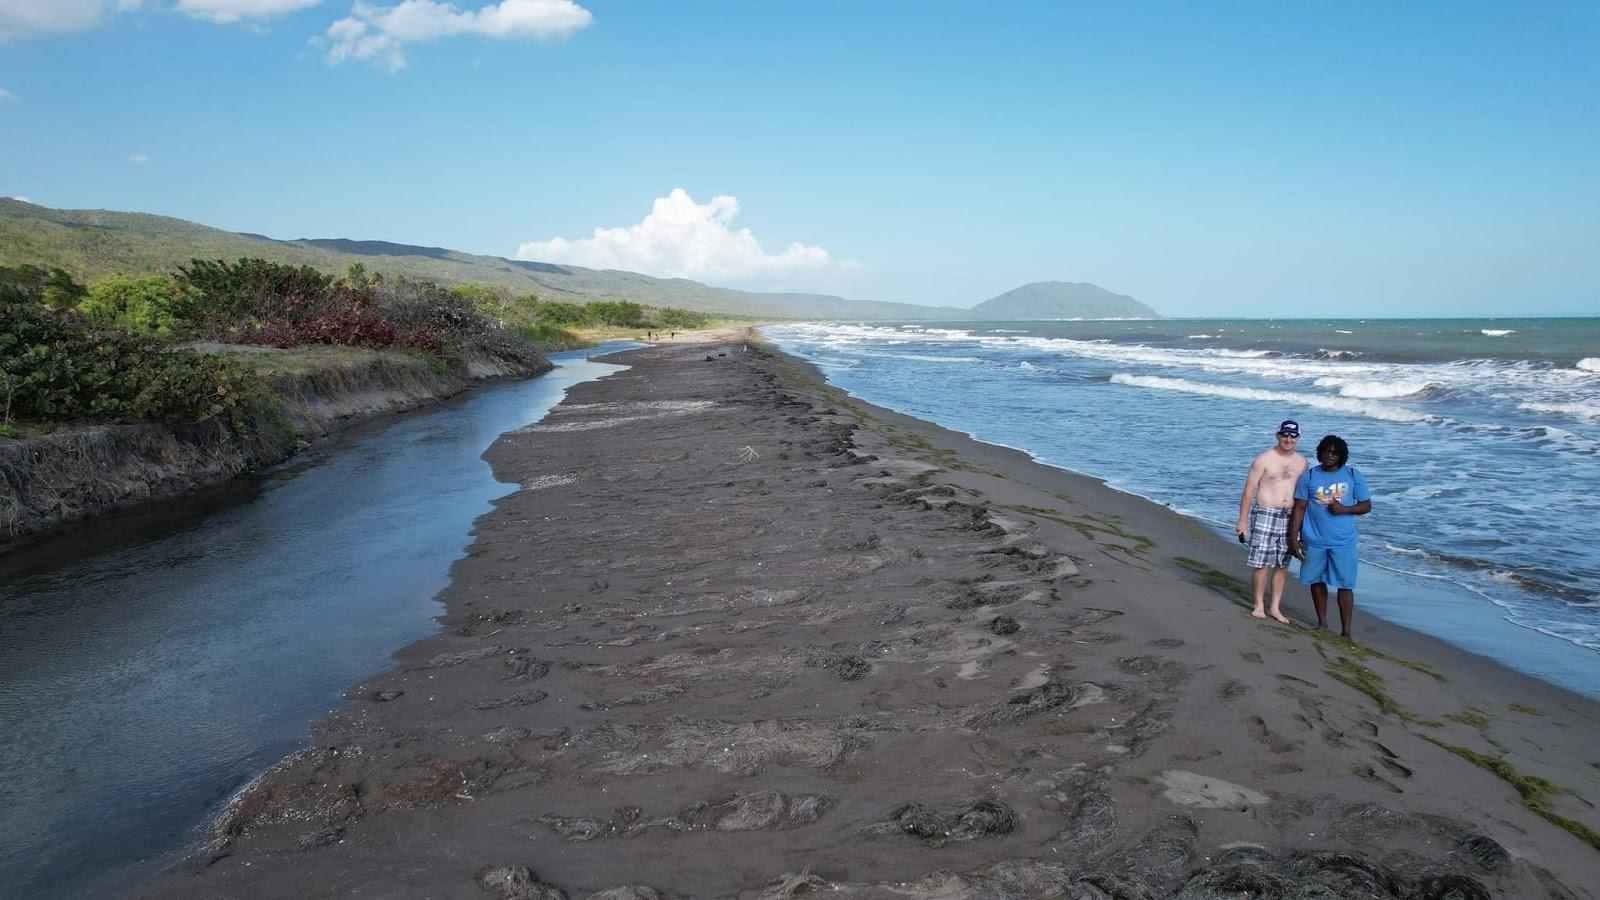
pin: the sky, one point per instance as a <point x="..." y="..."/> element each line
<point x="1245" y="159"/>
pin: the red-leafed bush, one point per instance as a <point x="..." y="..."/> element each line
<point x="423" y="339"/>
<point x="350" y="329"/>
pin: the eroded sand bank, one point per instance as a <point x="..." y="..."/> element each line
<point x="739" y="635"/>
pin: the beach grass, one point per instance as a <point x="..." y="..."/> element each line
<point x="1525" y="709"/>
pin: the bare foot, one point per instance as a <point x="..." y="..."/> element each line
<point x="1280" y="617"/>
<point x="1322" y="626"/>
<point x="1259" y="613"/>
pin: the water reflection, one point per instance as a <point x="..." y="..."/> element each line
<point x="151" y="665"/>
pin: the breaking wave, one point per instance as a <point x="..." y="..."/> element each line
<point x="1353" y="406"/>
<point x="1378" y="390"/>
<point x="1590" y="411"/>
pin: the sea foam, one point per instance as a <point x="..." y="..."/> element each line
<point x="1350" y="405"/>
<point x="1576" y="410"/>
<point x="1377" y="390"/>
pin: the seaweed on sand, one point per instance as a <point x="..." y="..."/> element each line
<point x="1215" y="579"/>
<point x="1534" y="791"/>
<point x="1091" y="525"/>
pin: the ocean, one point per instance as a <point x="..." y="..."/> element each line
<point x="1480" y="439"/>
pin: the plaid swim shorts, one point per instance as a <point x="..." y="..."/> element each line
<point x="1269" y="538"/>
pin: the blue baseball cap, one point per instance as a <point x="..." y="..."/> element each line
<point x="1290" y="428"/>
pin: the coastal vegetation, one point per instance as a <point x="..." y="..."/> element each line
<point x="154" y="347"/>
<point x="59" y="364"/>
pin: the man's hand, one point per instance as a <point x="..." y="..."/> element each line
<point x="1297" y="551"/>
<point x="1337" y="508"/>
<point x="1242" y="530"/>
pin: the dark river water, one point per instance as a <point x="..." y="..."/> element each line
<point x="151" y="665"/>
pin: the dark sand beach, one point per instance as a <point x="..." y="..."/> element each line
<point x="740" y="635"/>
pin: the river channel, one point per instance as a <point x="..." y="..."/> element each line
<point x="151" y="665"/>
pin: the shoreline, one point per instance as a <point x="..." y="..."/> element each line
<point x="1229" y="559"/>
<point x="1058" y="638"/>
<point x="1447" y="606"/>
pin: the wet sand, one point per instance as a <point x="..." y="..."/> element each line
<point x="739" y="635"/>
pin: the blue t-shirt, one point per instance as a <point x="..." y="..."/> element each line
<point x="1317" y="486"/>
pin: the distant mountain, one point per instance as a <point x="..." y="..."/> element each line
<point x="93" y="243"/>
<point x="1061" y="300"/>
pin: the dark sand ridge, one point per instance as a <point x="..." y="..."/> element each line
<point x="741" y="635"/>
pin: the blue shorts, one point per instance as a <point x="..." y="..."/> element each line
<point x="1332" y="566"/>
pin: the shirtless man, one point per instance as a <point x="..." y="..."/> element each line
<point x="1264" y="512"/>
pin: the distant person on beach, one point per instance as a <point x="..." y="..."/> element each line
<point x="1264" y="511"/>
<point x="1322" y="534"/>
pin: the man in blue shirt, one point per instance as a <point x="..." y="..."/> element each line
<point x="1322" y="529"/>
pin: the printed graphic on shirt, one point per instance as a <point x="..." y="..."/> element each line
<point x="1328" y="493"/>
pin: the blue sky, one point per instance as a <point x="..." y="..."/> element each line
<point x="1248" y="159"/>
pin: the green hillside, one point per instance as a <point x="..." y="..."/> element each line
<point x="91" y="244"/>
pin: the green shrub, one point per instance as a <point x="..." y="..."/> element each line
<point x="52" y="287"/>
<point x="617" y="313"/>
<point x="56" y="365"/>
<point x="548" y="335"/>
<point x="557" y="312"/>
<point x="670" y="317"/>
<point x="227" y="296"/>
<point x="149" y="305"/>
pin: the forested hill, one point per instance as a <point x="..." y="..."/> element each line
<point x="92" y="244"/>
<point x="1062" y="300"/>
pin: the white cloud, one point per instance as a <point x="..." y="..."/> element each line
<point x="224" y="12"/>
<point x="379" y="33"/>
<point x="683" y="239"/>
<point x="6" y="95"/>
<point x="139" y="159"/>
<point x="23" y="199"/>
<point x="28" y="18"/>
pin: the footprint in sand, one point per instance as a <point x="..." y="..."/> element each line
<point x="1232" y="689"/>
<point x="1390" y="754"/>
<point x="1251" y="656"/>
<point x="1366" y="773"/>
<point x="1395" y="768"/>
<point x="1273" y="742"/>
